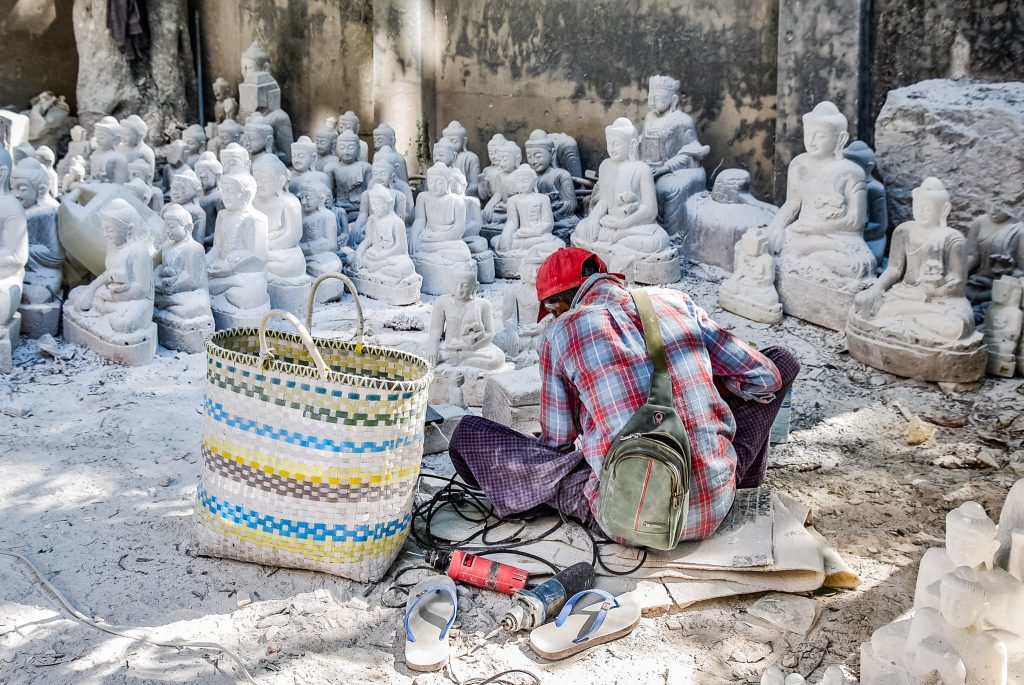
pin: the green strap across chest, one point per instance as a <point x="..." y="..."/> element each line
<point x="661" y="381"/>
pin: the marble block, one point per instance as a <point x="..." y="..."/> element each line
<point x="463" y="386"/>
<point x="13" y="129"/>
<point x="9" y="343"/>
<point x="437" y="278"/>
<point x="138" y="354"/>
<point x="81" y="233"/>
<point x="437" y="435"/>
<point x="391" y="294"/>
<point x="190" y="338"/>
<point x="813" y="301"/>
<point x="963" y="364"/>
<point x="38" y="320"/>
<point x="485" y="266"/>
<point x="513" y="399"/>
<point x="290" y="298"/>
<point x="662" y="269"/>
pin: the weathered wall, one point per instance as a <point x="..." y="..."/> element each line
<point x="575" y="65"/>
<point x="39" y="52"/>
<point x="321" y="51"/>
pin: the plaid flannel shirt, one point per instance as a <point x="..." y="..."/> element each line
<point x="595" y="374"/>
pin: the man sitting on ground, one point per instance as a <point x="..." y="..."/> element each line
<point x="595" y="374"/>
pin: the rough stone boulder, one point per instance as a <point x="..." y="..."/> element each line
<point x="966" y="133"/>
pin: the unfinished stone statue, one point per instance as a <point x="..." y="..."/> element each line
<point x="478" y="245"/>
<point x="351" y="175"/>
<point x="381" y="267"/>
<point x="259" y="92"/>
<point x="148" y="195"/>
<point x="78" y="146"/>
<point x="107" y="163"/>
<point x="185" y="189"/>
<point x="228" y="131"/>
<point x="325" y="139"/>
<point x="233" y="157"/>
<point x="175" y="154"/>
<point x="14" y="254"/>
<point x="1004" y="321"/>
<point x="717" y="219"/>
<point x="287" y="281"/>
<point x="221" y="92"/>
<point x="567" y="153"/>
<point x="503" y="186"/>
<point x="438" y="248"/>
<point x="194" y="138"/>
<point x="48" y="119"/>
<point x="113" y="315"/>
<point x="520" y="312"/>
<point x="750" y="291"/>
<point x="669" y="145"/>
<point x="876" y="229"/>
<point x="620" y="227"/>
<point x="554" y="182"/>
<point x="915" y="321"/>
<point x="461" y="343"/>
<point x="44" y="155"/>
<point x="382" y="173"/>
<point x="1011" y="532"/>
<point x="236" y="265"/>
<point x="182" y="313"/>
<point x="209" y="171"/>
<point x="350" y="122"/>
<point x="995" y="247"/>
<point x="41" y="295"/>
<point x="819" y="230"/>
<point x="527" y="227"/>
<point x="485" y="187"/>
<point x="258" y="137"/>
<point x="444" y="152"/>
<point x="75" y="176"/>
<point x="385" y="144"/>
<point x="466" y="161"/>
<point x="320" y="237"/>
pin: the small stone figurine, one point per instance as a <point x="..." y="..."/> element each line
<point x="1003" y="323"/>
<point x="384" y="143"/>
<point x="182" y="312"/>
<point x="521" y="313"/>
<point x="209" y="171"/>
<point x="185" y="189"/>
<point x="465" y="160"/>
<point x="108" y="164"/>
<point x="351" y="175"/>
<point x="381" y="267"/>
<point x="750" y="291"/>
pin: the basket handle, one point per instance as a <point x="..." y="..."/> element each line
<point x="307" y="340"/>
<point x="355" y="298"/>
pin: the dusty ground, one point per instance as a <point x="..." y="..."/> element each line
<point x="99" y="465"/>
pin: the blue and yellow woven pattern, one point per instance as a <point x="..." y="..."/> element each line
<point x="304" y="471"/>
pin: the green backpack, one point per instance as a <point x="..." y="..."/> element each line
<point x="645" y="478"/>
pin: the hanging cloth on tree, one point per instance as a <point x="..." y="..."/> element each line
<point x="124" y="20"/>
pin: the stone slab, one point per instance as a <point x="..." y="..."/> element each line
<point x="38" y="320"/>
<point x="190" y="339"/>
<point x="390" y="294"/>
<point x="813" y="302"/>
<point x="915" y="361"/>
<point x="9" y="343"/>
<point x="513" y="399"/>
<point x="14" y="129"/>
<point x="750" y="311"/>
<point x="138" y="354"/>
<point x="485" y="269"/>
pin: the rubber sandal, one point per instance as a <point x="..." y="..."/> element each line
<point x="429" y="615"/>
<point x="595" y="625"/>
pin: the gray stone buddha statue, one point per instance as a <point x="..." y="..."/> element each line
<point x="133" y="142"/>
<point x="438" y="247"/>
<point x="108" y="164"/>
<point x="351" y="175"/>
<point x="381" y="266"/>
<point x="325" y="139"/>
<point x="465" y="160"/>
<point x="349" y="121"/>
<point x="287" y="281"/>
<point x="221" y="92"/>
<point x="186" y="189"/>
<point x="385" y="144"/>
<point x="502" y="186"/>
<point x="995" y="248"/>
<point x="554" y="182"/>
<point x="258" y="137"/>
<point x="194" y="138"/>
<point x="490" y="172"/>
<point x="209" y="171"/>
<point x="41" y="294"/>
<point x="528" y="226"/>
<point x="320" y="239"/>
<point x="876" y="230"/>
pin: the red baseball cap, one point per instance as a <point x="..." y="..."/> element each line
<point x="561" y="271"/>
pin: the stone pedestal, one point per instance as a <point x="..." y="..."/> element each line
<point x="813" y="302"/>
<point x="138" y="354"/>
<point x="507" y="265"/>
<point x="437" y="279"/>
<point x="463" y="386"/>
<point x="290" y="298"/>
<point x="236" y="319"/>
<point x="391" y="294"/>
<point x="513" y="399"/>
<point x="9" y="343"/>
<point x="749" y="310"/>
<point x="1003" y="365"/>
<point x="485" y="267"/>
<point x="189" y="338"/>
<point x="38" y="320"/>
<point x="329" y="291"/>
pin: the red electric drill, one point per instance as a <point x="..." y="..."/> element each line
<point x="477" y="571"/>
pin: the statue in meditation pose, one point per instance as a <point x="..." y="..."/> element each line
<point x="258" y="137"/>
<point x="41" y="294"/>
<point x="350" y="122"/>
<point x="521" y="313"/>
<point x="209" y="171"/>
<point x="303" y="157"/>
<point x="107" y="163"/>
<point x="351" y="175"/>
<point x="381" y="266"/>
<point x="915" y="320"/>
<point x="221" y="92"/>
<point x="14" y="253"/>
<point x="527" y="227"/>
<point x="465" y="161"/>
<point x="995" y="247"/>
<point x="228" y="131"/>
<point x="234" y="157"/>
<point x="503" y="186"/>
<point x="1003" y="323"/>
<point x="194" y="138"/>
<point x="185" y="189"/>
<point x="287" y="279"/>
<point x="182" y="305"/>
<point x="325" y="139"/>
<point x="478" y="245"/>
<point x="553" y="181"/>
<point x="133" y="143"/>
<point x="490" y="172"/>
<point x="876" y="229"/>
<point x="382" y="173"/>
<point x="320" y="238"/>
<point x="385" y="145"/>
<point x="750" y="291"/>
<point x="437" y="232"/>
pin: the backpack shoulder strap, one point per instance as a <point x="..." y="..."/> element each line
<point x="651" y="331"/>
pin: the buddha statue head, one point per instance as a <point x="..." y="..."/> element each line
<point x="962" y="597"/>
<point x="773" y="676"/>
<point x="258" y="135"/>
<point x="825" y="131"/>
<point x="119" y="220"/>
<point x="970" y="536"/>
<point x="438" y="180"/>
<point x="383" y="173"/>
<point x="348" y="122"/>
<point x="234" y="155"/>
<point x="931" y="203"/>
<point x="444" y="152"/>
<point x="177" y="222"/>
<point x="457" y="181"/>
<point x="384" y="136"/>
<point x="730" y="186"/>
<point x="325" y="140"/>
<point x="303" y="154"/>
<point x="134" y="130"/>
<point x="45" y="156"/>
<point x="29" y="182"/>
<point x="195" y="139"/>
<point x="139" y="168"/>
<point x="24" y="151"/>
<point x="237" y="189"/>
<point x="997" y="212"/>
<point x="861" y="154"/>
<point x="221" y="88"/>
<point x="228" y="131"/>
<point x="185" y="187"/>
<point x="209" y="170"/>
<point x="254" y="59"/>
<point x="662" y="94"/>
<point x="271" y="176"/>
<point x="464" y="284"/>
<point x="382" y="202"/>
<point x="107" y="133"/>
<point x="494" y="148"/>
<point x="510" y="157"/>
<point x="623" y="140"/>
<point x="753" y="243"/>
<point x="78" y="134"/>
<point x="455" y="133"/>
<point x="175" y="153"/>
<point x="142" y="191"/>
<point x="347" y="147"/>
<point x="540" y="151"/>
<point x="312" y="193"/>
<point x="526" y="179"/>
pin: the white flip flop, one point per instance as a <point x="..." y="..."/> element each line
<point x="429" y="615"/>
<point x="594" y="625"/>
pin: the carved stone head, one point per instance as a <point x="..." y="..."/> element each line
<point x="312" y="194"/>
<point x="271" y="176"/>
<point x="458" y="181"/>
<point x="382" y="202"/>
<point x="347" y="147"/>
<point x="444" y="152"/>
<point x="438" y="180"/>
<point x="29" y="182"/>
<point x="185" y="187"/>
<point x="383" y="172"/>
<point x="455" y="133"/>
<point x="325" y="141"/>
<point x="526" y="179"/>
<point x="177" y="222"/>
<point x="303" y="154"/>
<point x="494" y="147"/>
<point x="140" y="169"/>
<point x="209" y="170"/>
<point x="237" y="189"/>
<point x="258" y="135"/>
<point x="45" y="156"/>
<point x="254" y="59"/>
<point x="464" y="284"/>
<point x="195" y="139"/>
<point x="221" y="88"/>
<point x="861" y="154"/>
<point x="540" y="151"/>
<point x="348" y="122"/>
<point x="510" y="157"/>
<point x="931" y="203"/>
<point x="962" y="597"/>
<point x="228" y="131"/>
<point x="970" y="536"/>
<point x="825" y="131"/>
<point x="107" y="133"/>
<point x="730" y="186"/>
<point x="134" y="130"/>
<point x="662" y="94"/>
<point x="623" y="140"/>
<point x="232" y="156"/>
<point x="383" y="136"/>
<point x="119" y="219"/>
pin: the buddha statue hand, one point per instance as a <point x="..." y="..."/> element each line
<point x="660" y="171"/>
<point x="867" y="302"/>
<point x="776" y="238"/>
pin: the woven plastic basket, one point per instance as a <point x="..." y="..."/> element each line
<point x="311" y="448"/>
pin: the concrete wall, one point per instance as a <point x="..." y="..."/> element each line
<point x="321" y="51"/>
<point x="575" y="65"/>
<point x="38" y="52"/>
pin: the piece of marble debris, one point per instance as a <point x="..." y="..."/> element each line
<point x="995" y="248"/>
<point x="438" y="248"/>
<point x="320" y="239"/>
<point x="13" y="130"/>
<point x="553" y="181"/>
<point x="14" y="256"/>
<point x="775" y="676"/>
<point x="489" y="173"/>
<point x="113" y="315"/>
<point x="385" y="143"/>
<point x="915" y="320"/>
<point x="876" y="227"/>
<point x="41" y="294"/>
<point x="381" y="267"/>
<point x="521" y="315"/>
<point x="349" y="121"/>
<point x="236" y="264"/>
<point x="466" y="160"/>
<point x="750" y="291"/>
<point x="185" y="191"/>
<point x="621" y="226"/>
<point x="669" y="146"/>
<point x="502" y="186"/>
<point x="528" y="226"/>
<point x="1004" y="322"/>
<point x="133" y="142"/>
<point x="351" y="175"/>
<point x="108" y="163"/>
<point x="209" y="170"/>
<point x="221" y="92"/>
<point x="182" y="310"/>
<point x="818" y="232"/>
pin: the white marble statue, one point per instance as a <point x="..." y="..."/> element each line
<point x="528" y="225"/>
<point x="444" y="152"/>
<point x="235" y="157"/>
<point x="140" y="176"/>
<point x="521" y="315"/>
<point x="438" y="248"/>
<point x="258" y="137"/>
<point x="228" y="131"/>
<point x="503" y="185"/>
<point x="194" y="138"/>
<point x="175" y="156"/>
<point x="1004" y="321"/>
<point x="350" y="122"/>
<point x="995" y="247"/>
<point x="185" y="191"/>
<point x="14" y="254"/>
<point x="385" y="144"/>
<point x="915" y="320"/>
<point x="621" y="226"/>
<point x="325" y="139"/>
<point x="489" y="174"/>
<point x="77" y="174"/>
<point x="750" y="291"/>
<point x="351" y="175"/>
<point x="466" y="160"/>
<point x="303" y="158"/>
<point x="209" y="170"/>
<point x="287" y="280"/>
<point x="382" y="173"/>
<point x="221" y="92"/>
<point x="553" y="181"/>
<point x="260" y="92"/>
<point x="478" y="245"/>
<point x="182" y="311"/>
<point x="46" y="157"/>
<point x="41" y="295"/>
<point x="381" y="267"/>
<point x="133" y="143"/>
<point x="320" y="239"/>
<point x="108" y="163"/>
<point x="78" y="146"/>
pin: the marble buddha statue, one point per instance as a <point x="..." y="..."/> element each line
<point x="717" y="219"/>
<point x="209" y="171"/>
<point x="876" y="229"/>
<point x="621" y="226"/>
<point x="438" y="248"/>
<point x="258" y="137"/>
<point x="325" y="139"/>
<point x="382" y="173"/>
<point x="381" y="266"/>
<point x="444" y="152"/>
<point x="350" y="122"/>
<point x="385" y="144"/>
<point x="234" y="155"/>
<point x="260" y="92"/>
<point x="303" y="157"/>
<point x="553" y="181"/>
<point x="194" y="138"/>
<point x="175" y="154"/>
<point x="151" y="196"/>
<point x="503" y="185"/>
<point x="520" y="312"/>
<point x="185" y="191"/>
<point x="76" y="175"/>
<point x="750" y="291"/>
<point x="818" y="232"/>
<point x="14" y="254"/>
<point x="669" y="145"/>
<point x="527" y="227"/>
<point x="478" y="245"/>
<point x="351" y="175"/>
<point x="1004" y="321"/>
<point x="320" y="239"/>
<point x="113" y="315"/>
<point x="489" y="173"/>
<point x="915" y="320"/>
<point x="228" y="131"/>
<point x="182" y="310"/>
<point x="466" y="161"/>
<point x="221" y="92"/>
<point x="41" y="294"/>
<point x="995" y="247"/>
<point x="287" y="280"/>
<point x="107" y="163"/>
<point x="133" y="142"/>
<point x="567" y="153"/>
<point x="78" y="146"/>
<point x="45" y="156"/>
<point x="236" y="265"/>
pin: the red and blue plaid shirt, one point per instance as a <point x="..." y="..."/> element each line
<point x="595" y="374"/>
